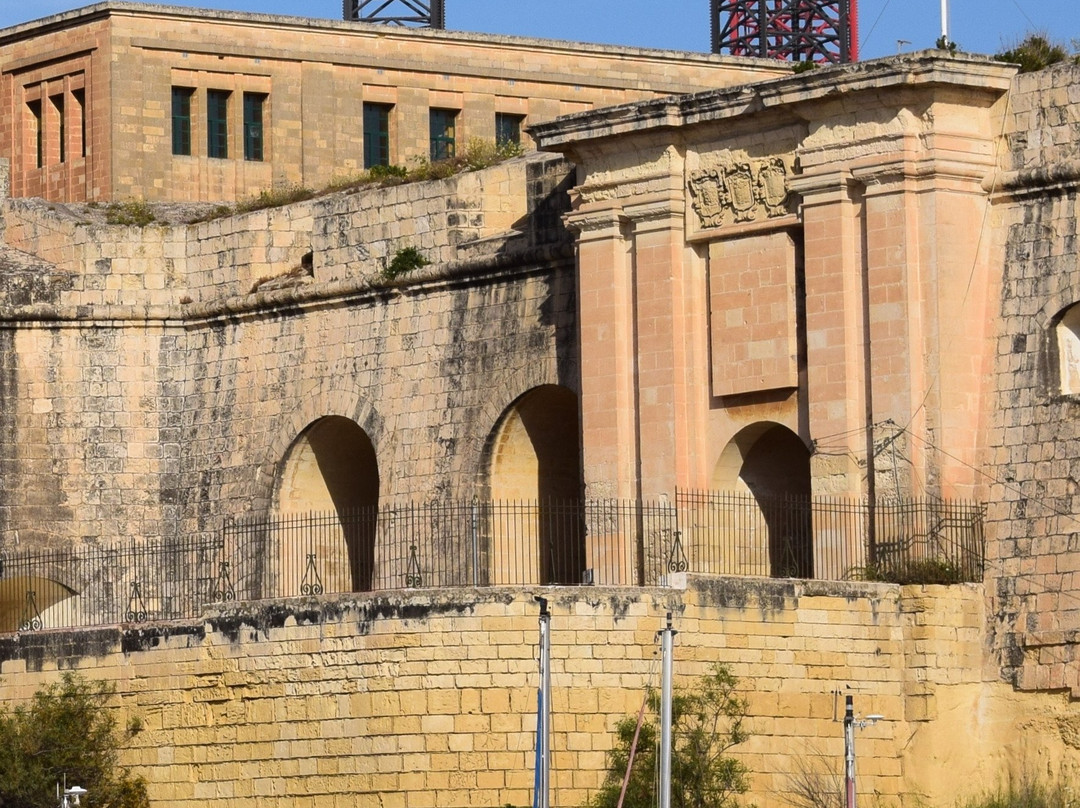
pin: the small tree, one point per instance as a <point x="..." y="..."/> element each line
<point x="66" y="730"/>
<point x="1035" y="52"/>
<point x="706" y="723"/>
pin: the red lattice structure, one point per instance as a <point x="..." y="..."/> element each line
<point x="823" y="31"/>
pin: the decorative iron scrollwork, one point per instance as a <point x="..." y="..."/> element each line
<point x="31" y="617"/>
<point x="136" y="609"/>
<point x="312" y="583"/>
<point x="224" y="591"/>
<point x="413" y="578"/>
<point x="677" y="560"/>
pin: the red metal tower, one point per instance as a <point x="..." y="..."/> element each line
<point x="823" y="31"/>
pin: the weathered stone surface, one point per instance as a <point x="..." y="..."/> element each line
<point x="156" y="376"/>
<point x="432" y="693"/>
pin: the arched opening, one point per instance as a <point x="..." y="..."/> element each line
<point x="328" y="497"/>
<point x="771" y="463"/>
<point x="534" y="471"/>
<point x="1068" y="350"/>
<point x="30" y="602"/>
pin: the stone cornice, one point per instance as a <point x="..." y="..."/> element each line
<point x="794" y="96"/>
<point x="110" y="8"/>
<point x="1059" y="176"/>
<point x="292" y="300"/>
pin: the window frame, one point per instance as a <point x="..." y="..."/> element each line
<point x="501" y="120"/>
<point x="79" y="96"/>
<point x="217" y="124"/>
<point x="442" y="129"/>
<point x="377" y="148"/>
<point x="181" y="121"/>
<point x="254" y="127"/>
<point x="58" y="107"/>
<point x="37" y="117"/>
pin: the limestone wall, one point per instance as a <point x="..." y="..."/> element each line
<point x="155" y="377"/>
<point x="350" y="236"/>
<point x="1034" y="550"/>
<point x="427" y="698"/>
<point x="114" y="69"/>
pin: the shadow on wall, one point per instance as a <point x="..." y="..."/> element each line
<point x="331" y="467"/>
<point x="534" y="456"/>
<point x="772" y="463"/>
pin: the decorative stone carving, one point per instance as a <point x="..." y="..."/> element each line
<point x="740" y="192"/>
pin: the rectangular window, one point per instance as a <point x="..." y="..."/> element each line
<point x="217" y="123"/>
<point x="57" y="102"/>
<point x="508" y="128"/>
<point x="376" y="135"/>
<point x="442" y="133"/>
<point x="39" y="130"/>
<point x="80" y="102"/>
<point x="181" y="120"/>
<point x="253" y="125"/>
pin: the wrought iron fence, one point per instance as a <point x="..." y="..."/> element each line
<point x="105" y="585"/>
<point x="460" y="544"/>
<point x="733" y="533"/>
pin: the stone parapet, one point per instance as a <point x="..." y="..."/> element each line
<point x="427" y="698"/>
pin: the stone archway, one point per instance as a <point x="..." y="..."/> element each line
<point x="534" y="466"/>
<point x="772" y="463"/>
<point x="327" y="491"/>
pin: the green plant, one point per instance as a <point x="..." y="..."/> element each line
<point x="1025" y="792"/>
<point x="66" y="730"/>
<point x="135" y="212"/>
<point x="387" y="173"/>
<point x="946" y="44"/>
<point x="480" y="153"/>
<point x="923" y="571"/>
<point x="405" y="260"/>
<point x="274" y="197"/>
<point x="804" y="67"/>
<point x="706" y="722"/>
<point x="1035" y="52"/>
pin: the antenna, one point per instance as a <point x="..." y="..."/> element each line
<point x="823" y="31"/>
<point x="406" y="13"/>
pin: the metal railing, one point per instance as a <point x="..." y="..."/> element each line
<point x="463" y="544"/>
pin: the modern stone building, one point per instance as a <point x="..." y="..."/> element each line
<point x="124" y="100"/>
<point x="859" y="282"/>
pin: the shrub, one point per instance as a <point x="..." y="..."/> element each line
<point x="405" y="260"/>
<point x="135" y="212"/>
<point x="1035" y="52"/>
<point x="1025" y="793"/>
<point x="387" y="173"/>
<point x="814" y="783"/>
<point x="706" y="723"/>
<point x="924" y="571"/>
<point x="67" y="730"/>
<point x="274" y="198"/>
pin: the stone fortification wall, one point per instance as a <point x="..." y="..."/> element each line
<point x="1034" y="550"/>
<point x="428" y="698"/>
<point x="350" y="236"/>
<point x="155" y="377"/>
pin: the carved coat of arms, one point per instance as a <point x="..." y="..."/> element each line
<point x="740" y="192"/>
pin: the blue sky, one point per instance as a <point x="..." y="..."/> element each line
<point x="980" y="26"/>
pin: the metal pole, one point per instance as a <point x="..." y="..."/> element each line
<point x="543" y="715"/>
<point x="849" y="753"/>
<point x="667" y="644"/>
<point x="945" y="21"/>
<point x="474" y="525"/>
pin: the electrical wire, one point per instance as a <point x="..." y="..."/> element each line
<point x="869" y="33"/>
